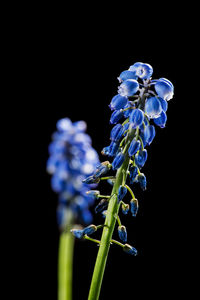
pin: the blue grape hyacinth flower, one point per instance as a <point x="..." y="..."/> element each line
<point x="71" y="160"/>
<point x="164" y="89"/>
<point x="136" y="117"/>
<point x="153" y="107"/>
<point x="128" y="88"/>
<point x="118" y="102"/>
<point x="142" y="70"/>
<point x="139" y="107"/>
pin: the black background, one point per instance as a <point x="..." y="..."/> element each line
<point x="70" y="70"/>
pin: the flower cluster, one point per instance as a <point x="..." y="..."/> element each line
<point x="71" y="160"/>
<point x="141" y="103"/>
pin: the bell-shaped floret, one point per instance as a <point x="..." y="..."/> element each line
<point x="153" y="107"/>
<point x="128" y="88"/>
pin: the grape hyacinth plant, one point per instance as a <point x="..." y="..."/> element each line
<point x="139" y="106"/>
<point x="71" y="160"/>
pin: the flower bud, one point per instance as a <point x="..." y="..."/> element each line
<point x="91" y="179"/>
<point x="116" y="116"/>
<point x="142" y="181"/>
<point x="149" y="134"/>
<point x="101" y="206"/>
<point x="153" y="107"/>
<point x="121" y="193"/>
<point x="161" y="121"/>
<point x="64" y="124"/>
<point x="122" y="233"/>
<point x="118" y="161"/>
<point x="140" y="158"/>
<point x="125" y="208"/>
<point x="128" y="88"/>
<point x="163" y="103"/>
<point x="134" y="207"/>
<point x="78" y="233"/>
<point x="136" y="117"/>
<point x="128" y="111"/>
<point x="134" y="147"/>
<point x="104" y="213"/>
<point x="133" y="173"/>
<point x="111" y="181"/>
<point x="105" y="150"/>
<point x="102" y="169"/>
<point x="126" y="75"/>
<point x="129" y="249"/>
<point x="93" y="194"/>
<point x="118" y="102"/>
<point x="114" y="147"/>
<point x="90" y="229"/>
<point x="117" y="132"/>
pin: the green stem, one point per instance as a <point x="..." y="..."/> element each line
<point x="110" y="222"/>
<point x="111" y="214"/>
<point x="65" y="266"/>
<point x="130" y="191"/>
<point x="86" y="237"/>
<point x="117" y="243"/>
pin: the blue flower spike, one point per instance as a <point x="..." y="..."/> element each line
<point x="71" y="160"/>
<point x="138" y="109"/>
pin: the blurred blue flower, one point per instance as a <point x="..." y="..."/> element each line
<point x="71" y="160"/>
